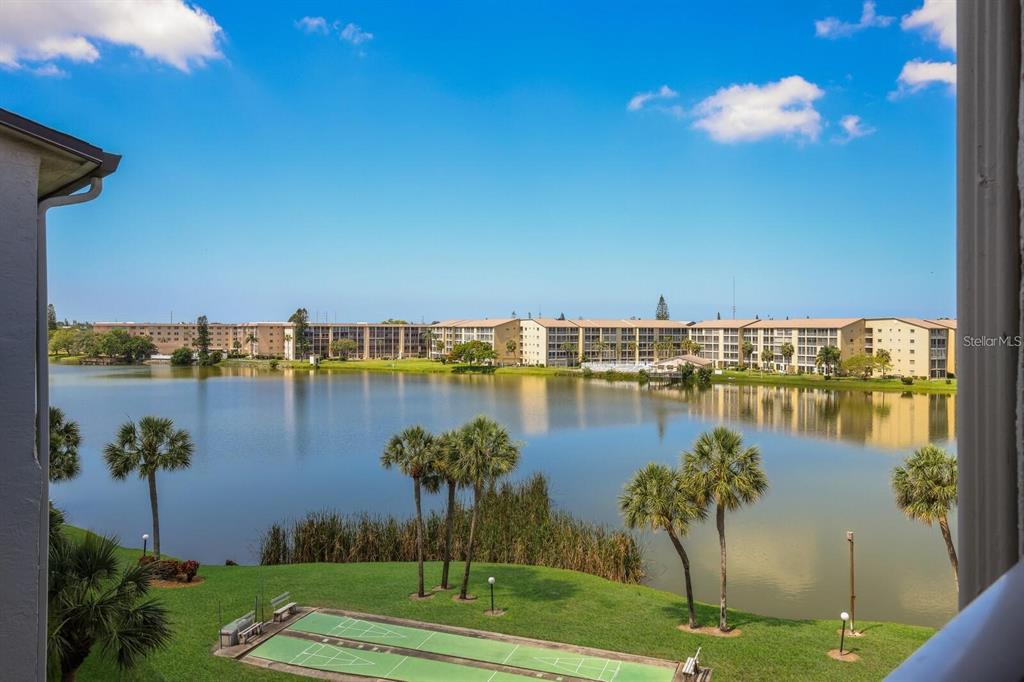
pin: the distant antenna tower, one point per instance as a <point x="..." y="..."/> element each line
<point x="734" y="297"/>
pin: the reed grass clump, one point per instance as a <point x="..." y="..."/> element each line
<point x="519" y="526"/>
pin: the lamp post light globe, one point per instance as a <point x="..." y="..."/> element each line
<point x="844" y="616"/>
<point x="490" y="581"/>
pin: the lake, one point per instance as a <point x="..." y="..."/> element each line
<point x="271" y="446"/>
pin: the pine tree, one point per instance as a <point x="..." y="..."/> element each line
<point x="662" y="311"/>
<point x="51" y="317"/>
<point x="202" y="342"/>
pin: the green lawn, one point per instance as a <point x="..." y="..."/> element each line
<point x="544" y="603"/>
<point x="753" y="376"/>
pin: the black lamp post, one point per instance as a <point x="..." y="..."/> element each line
<point x="844" y="616"/>
<point x="145" y="539"/>
<point x="490" y="581"/>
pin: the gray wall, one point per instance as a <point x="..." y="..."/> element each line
<point x="23" y="492"/>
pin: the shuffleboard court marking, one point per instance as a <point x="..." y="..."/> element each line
<point x="534" y="658"/>
<point x="510" y="654"/>
<point x="392" y="671"/>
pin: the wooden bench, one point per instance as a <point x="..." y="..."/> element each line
<point x="692" y="666"/>
<point x="282" y="606"/>
<point x="254" y="630"/>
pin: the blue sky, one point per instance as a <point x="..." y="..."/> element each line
<point x="463" y="160"/>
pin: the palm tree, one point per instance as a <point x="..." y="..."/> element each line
<point x="787" y="351"/>
<point x="748" y="349"/>
<point x="767" y="355"/>
<point x="64" y="441"/>
<point x="569" y="348"/>
<point x="448" y="447"/>
<point x="925" y="487"/>
<point x="413" y="452"/>
<point x="486" y="454"/>
<point x="91" y="602"/>
<point x="827" y="358"/>
<point x="427" y="337"/>
<point x="251" y="340"/>
<point x="884" y="360"/>
<point x="658" y="497"/>
<point x="147" y="447"/>
<point x="725" y="473"/>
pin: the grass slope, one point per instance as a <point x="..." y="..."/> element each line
<point x="545" y="603"/>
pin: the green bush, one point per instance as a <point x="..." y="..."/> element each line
<point x="181" y="357"/>
<point x="907" y="381"/>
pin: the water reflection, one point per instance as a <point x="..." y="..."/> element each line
<point x="274" y="445"/>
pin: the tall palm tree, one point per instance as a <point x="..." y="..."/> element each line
<point x="251" y="340"/>
<point x="91" y="602"/>
<point x="413" y="452"/>
<point x="728" y="475"/>
<point x="64" y="441"/>
<point x="658" y="497"/>
<point x="145" y="448"/>
<point x="448" y="447"/>
<point x="787" y="351"/>
<point x="486" y="454"/>
<point x="925" y="487"/>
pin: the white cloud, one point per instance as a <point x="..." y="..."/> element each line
<point x="743" y="113"/>
<point x="831" y="27"/>
<point x="352" y="33"/>
<point x="853" y="127"/>
<point x="937" y="18"/>
<point x="312" y="25"/>
<point x="917" y="74"/>
<point x="642" y="99"/>
<point x="169" y="31"/>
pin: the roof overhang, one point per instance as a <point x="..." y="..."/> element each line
<point x="66" y="163"/>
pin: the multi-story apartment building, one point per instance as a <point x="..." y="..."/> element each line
<point x="558" y="343"/>
<point x="226" y="337"/>
<point x="807" y="336"/>
<point x="372" y="341"/>
<point x="916" y="347"/>
<point x="497" y="333"/>
<point x="549" y="342"/>
<point x="720" y="341"/>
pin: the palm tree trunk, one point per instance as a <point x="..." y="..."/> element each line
<point x="156" y="514"/>
<point x="720" y="521"/>
<point x="419" y="535"/>
<point x="449" y="521"/>
<point x="463" y="593"/>
<point x="686" y="572"/>
<point x="944" y="527"/>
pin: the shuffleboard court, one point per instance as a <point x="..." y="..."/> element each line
<point x="517" y="655"/>
<point x="373" y="664"/>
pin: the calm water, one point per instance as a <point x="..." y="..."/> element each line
<point x="272" y="446"/>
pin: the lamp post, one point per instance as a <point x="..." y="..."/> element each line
<point x="853" y="592"/>
<point x="490" y="581"/>
<point x="844" y="616"/>
<point x="145" y="539"/>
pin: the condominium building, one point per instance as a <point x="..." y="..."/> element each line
<point x="372" y="341"/>
<point x="916" y="347"/>
<point x="807" y="336"/>
<point x="226" y="337"/>
<point x="557" y="343"/>
<point x="720" y="341"/>
<point x="548" y="342"/>
<point x="501" y="334"/>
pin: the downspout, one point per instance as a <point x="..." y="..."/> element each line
<point x="43" y="393"/>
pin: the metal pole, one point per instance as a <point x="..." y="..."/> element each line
<point x="853" y="593"/>
<point x="842" y="638"/>
<point x="492" y="597"/>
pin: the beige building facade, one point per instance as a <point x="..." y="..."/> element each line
<point x="807" y="336"/>
<point x="917" y="348"/>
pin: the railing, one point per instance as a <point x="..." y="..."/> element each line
<point x="982" y="643"/>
